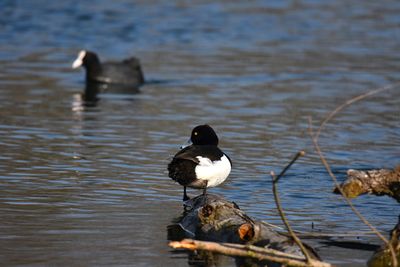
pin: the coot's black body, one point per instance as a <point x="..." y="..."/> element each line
<point x="127" y="73"/>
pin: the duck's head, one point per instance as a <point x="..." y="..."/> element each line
<point x="204" y="135"/>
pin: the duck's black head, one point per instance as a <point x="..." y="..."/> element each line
<point x="204" y="135"/>
<point x="86" y="59"/>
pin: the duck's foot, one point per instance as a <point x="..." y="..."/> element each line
<point x="187" y="206"/>
<point x="185" y="196"/>
<point x="205" y="192"/>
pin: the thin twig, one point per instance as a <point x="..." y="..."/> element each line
<point x="279" y="207"/>
<point x="348" y="201"/>
<point x="314" y="138"/>
<point x="351" y="101"/>
<point x="337" y="185"/>
<point x="298" y="155"/>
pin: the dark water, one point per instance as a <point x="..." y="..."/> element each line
<point x="87" y="186"/>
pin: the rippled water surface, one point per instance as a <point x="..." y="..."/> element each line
<point x="87" y="186"/>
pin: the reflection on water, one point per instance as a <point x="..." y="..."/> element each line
<point x="91" y="95"/>
<point x="83" y="177"/>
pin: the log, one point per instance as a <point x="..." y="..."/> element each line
<point x="378" y="182"/>
<point x="213" y="218"/>
<point x="382" y="257"/>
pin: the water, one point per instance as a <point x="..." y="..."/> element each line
<point x="88" y="185"/>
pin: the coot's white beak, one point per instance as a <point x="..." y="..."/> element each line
<point x="79" y="60"/>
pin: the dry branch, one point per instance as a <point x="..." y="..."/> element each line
<point x="261" y="254"/>
<point x="280" y="210"/>
<point x="315" y="136"/>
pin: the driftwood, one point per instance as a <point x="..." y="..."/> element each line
<point x="212" y="218"/>
<point x="378" y="182"/>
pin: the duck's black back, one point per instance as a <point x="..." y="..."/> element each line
<point x="193" y="151"/>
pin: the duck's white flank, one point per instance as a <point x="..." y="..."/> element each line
<point x="215" y="172"/>
<point x="79" y="60"/>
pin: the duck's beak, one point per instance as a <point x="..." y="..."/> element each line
<point x="188" y="143"/>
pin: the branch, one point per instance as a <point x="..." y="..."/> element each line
<point x="247" y="251"/>
<point x="351" y="101"/>
<point x="279" y="207"/>
<point x="314" y="138"/>
<point x="337" y="185"/>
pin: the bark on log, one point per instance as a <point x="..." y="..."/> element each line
<point x="213" y="218"/>
<point x="378" y="182"/>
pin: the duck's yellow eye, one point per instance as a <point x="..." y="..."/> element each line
<point x="195" y="133"/>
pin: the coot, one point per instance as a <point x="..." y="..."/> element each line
<point x="125" y="73"/>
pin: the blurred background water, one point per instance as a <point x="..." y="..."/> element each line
<point x="88" y="186"/>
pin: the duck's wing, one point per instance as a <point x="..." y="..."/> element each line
<point x="193" y="153"/>
<point x="188" y="153"/>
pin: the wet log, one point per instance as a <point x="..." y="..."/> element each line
<point x="378" y="182"/>
<point x="213" y="218"/>
<point x="382" y="257"/>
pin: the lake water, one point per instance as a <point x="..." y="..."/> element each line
<point x="88" y="186"/>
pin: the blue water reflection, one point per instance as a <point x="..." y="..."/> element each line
<point x="87" y="184"/>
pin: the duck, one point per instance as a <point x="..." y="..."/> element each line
<point x="125" y="73"/>
<point x="202" y="164"/>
